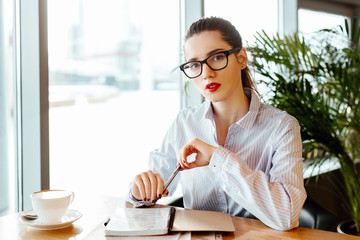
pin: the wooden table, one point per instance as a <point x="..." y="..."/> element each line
<point x="96" y="211"/>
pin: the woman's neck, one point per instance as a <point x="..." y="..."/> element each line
<point x="232" y="110"/>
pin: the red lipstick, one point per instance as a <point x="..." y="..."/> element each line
<point x="212" y="87"/>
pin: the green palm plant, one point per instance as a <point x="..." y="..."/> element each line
<point x="317" y="80"/>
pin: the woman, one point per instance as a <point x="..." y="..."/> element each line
<point x="248" y="155"/>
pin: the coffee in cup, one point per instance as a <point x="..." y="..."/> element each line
<point x="51" y="205"/>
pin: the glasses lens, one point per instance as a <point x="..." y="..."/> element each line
<point x="192" y="69"/>
<point x="217" y="61"/>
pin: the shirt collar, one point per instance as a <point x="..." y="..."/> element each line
<point x="248" y="120"/>
<point x="209" y="114"/>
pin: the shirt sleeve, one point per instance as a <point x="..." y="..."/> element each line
<point x="275" y="199"/>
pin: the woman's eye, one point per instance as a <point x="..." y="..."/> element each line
<point x="218" y="57"/>
<point x="186" y="67"/>
<point x="195" y="65"/>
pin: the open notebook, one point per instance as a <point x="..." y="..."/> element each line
<point x="159" y="221"/>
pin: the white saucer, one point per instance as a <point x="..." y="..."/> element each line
<point x="70" y="216"/>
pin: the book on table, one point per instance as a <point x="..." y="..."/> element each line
<point x="160" y="221"/>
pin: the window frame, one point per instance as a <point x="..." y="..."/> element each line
<point x="349" y="10"/>
<point x="32" y="91"/>
<point x="191" y="10"/>
<point x="287" y="17"/>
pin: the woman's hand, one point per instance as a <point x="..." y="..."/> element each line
<point x="203" y="152"/>
<point x="148" y="186"/>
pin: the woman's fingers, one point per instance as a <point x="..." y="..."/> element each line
<point x="165" y="194"/>
<point x="138" y="188"/>
<point x="203" y="152"/>
<point x="147" y="186"/>
<point x="160" y="185"/>
<point x="186" y="151"/>
<point x="153" y="185"/>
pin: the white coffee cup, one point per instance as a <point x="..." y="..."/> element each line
<point x="51" y="205"/>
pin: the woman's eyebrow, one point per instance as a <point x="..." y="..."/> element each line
<point x="214" y="51"/>
<point x="208" y="54"/>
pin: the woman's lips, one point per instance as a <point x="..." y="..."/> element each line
<point x="212" y="87"/>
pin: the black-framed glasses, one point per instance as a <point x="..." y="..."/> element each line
<point x="216" y="61"/>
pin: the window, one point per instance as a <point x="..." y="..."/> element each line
<point x="247" y="16"/>
<point x="112" y="91"/>
<point x="311" y="21"/>
<point x="8" y="109"/>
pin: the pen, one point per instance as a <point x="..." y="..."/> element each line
<point x="172" y="177"/>
<point x="107" y="221"/>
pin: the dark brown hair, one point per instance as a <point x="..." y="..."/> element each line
<point x="229" y="34"/>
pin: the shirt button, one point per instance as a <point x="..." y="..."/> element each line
<point x="219" y="189"/>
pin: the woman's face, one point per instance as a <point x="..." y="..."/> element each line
<point x="221" y="85"/>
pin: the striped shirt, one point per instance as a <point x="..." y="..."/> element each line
<point x="257" y="173"/>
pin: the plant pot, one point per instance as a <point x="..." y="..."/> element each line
<point x="347" y="227"/>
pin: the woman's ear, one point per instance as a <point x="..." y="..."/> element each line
<point x="242" y="58"/>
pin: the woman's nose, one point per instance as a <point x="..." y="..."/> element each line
<point x="207" y="71"/>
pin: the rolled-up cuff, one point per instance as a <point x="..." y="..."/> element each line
<point x="217" y="158"/>
<point x="138" y="203"/>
